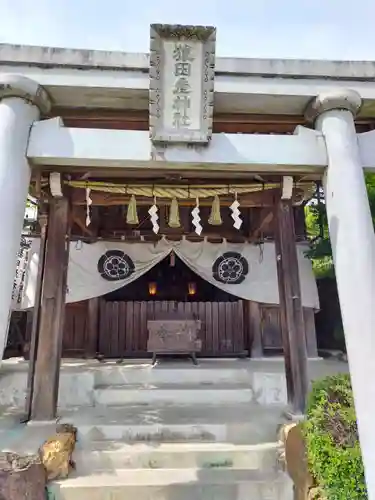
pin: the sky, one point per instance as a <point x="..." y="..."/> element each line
<point x="302" y="29"/>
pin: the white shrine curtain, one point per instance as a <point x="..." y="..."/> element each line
<point x="258" y="281"/>
<point x="245" y="270"/>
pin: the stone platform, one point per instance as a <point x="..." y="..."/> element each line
<point x="82" y="381"/>
<point x="170" y="432"/>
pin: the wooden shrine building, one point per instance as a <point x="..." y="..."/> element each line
<point x="114" y="325"/>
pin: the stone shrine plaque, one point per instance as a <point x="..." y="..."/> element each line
<point x="168" y="336"/>
<point x="182" y="72"/>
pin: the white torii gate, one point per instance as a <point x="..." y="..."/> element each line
<point x="333" y="148"/>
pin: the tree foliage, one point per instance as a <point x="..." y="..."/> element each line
<point x="331" y="434"/>
<point x="317" y="229"/>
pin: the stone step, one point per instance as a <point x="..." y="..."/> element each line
<point x="176" y="484"/>
<point x="173" y="394"/>
<point x="267" y="382"/>
<point x="172" y="373"/>
<point x="111" y="455"/>
<point x="79" y="378"/>
<point x="231" y="423"/>
<point x="10" y="418"/>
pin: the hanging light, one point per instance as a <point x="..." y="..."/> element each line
<point x="192" y="288"/>
<point x="152" y="288"/>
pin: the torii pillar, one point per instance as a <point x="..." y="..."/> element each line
<point x="21" y="102"/>
<point x="353" y="245"/>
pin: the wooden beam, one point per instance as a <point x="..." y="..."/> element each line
<point x="139" y="120"/>
<point x="291" y="312"/>
<point x="149" y="236"/>
<point x="47" y="366"/>
<point x="222" y="122"/>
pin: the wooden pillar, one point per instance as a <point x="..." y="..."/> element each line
<point x="93" y="311"/>
<point x="253" y="313"/>
<point x="92" y="331"/>
<point x="34" y="337"/>
<point x="310" y="332"/>
<point x="291" y="312"/>
<point x="51" y="321"/>
<point x="255" y="329"/>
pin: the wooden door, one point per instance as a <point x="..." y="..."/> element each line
<point x="123" y="326"/>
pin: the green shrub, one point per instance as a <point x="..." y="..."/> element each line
<point x="331" y="433"/>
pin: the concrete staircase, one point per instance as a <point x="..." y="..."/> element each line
<point x="180" y="484"/>
<point x="177" y="432"/>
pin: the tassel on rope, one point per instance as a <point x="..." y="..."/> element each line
<point x="196" y="218"/>
<point x="153" y="212"/>
<point x="132" y="215"/>
<point x="174" y="216"/>
<point x="236" y="214"/>
<point x="88" y="205"/>
<point x="215" y="217"/>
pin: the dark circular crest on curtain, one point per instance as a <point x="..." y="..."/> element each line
<point x="230" y="268"/>
<point x="115" y="265"/>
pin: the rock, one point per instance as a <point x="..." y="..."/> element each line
<point x="295" y="458"/>
<point x="22" y="477"/>
<point x="56" y="452"/>
<point x="315" y="494"/>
